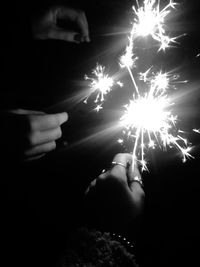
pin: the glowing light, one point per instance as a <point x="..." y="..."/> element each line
<point x="120" y="84"/>
<point x="101" y="83"/>
<point x="160" y="81"/>
<point x="120" y="141"/>
<point x="196" y="130"/>
<point x="128" y="60"/>
<point x="150" y="20"/>
<point x="98" y="107"/>
<point x="147" y="113"/>
<point x="148" y="120"/>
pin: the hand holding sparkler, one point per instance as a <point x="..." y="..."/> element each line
<point x="117" y="194"/>
<point x="28" y="135"/>
<point x="62" y="23"/>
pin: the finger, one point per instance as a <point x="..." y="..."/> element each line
<point x="26" y="112"/>
<point x="78" y="16"/>
<point x="134" y="176"/>
<point x="124" y="158"/>
<point x="92" y="185"/>
<point x="104" y="175"/>
<point x="64" y="35"/>
<point x="34" y="157"/>
<point x="42" y="137"/>
<point x="121" y="169"/>
<point x="83" y="24"/>
<point x="133" y="170"/>
<point x="40" y="149"/>
<point x="48" y="121"/>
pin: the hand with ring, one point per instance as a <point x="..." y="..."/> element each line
<point x="116" y="197"/>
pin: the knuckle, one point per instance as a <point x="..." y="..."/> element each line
<point x="59" y="133"/>
<point x="32" y="139"/>
<point x="115" y="174"/>
<point x="31" y="123"/>
<point x="55" y="119"/>
<point x="119" y="155"/>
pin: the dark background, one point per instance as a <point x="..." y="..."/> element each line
<point x="41" y="201"/>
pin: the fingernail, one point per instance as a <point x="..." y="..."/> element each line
<point x="77" y="38"/>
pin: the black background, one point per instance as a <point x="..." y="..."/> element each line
<point x="41" y="201"/>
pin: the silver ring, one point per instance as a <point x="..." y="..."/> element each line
<point x="119" y="163"/>
<point x="137" y="179"/>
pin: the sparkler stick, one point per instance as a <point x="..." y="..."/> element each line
<point x="135" y="145"/>
<point x="133" y="80"/>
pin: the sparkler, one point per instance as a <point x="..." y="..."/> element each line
<point x="148" y="120"/>
<point x="196" y="130"/>
<point x="101" y="83"/>
<point x="150" y="20"/>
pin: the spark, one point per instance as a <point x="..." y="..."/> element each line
<point x="120" y="141"/>
<point x="196" y="130"/>
<point x="120" y="84"/>
<point x="101" y="83"/>
<point x="160" y="80"/>
<point x="150" y="20"/>
<point x="128" y="59"/>
<point x="98" y="107"/>
<point x="149" y="121"/>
